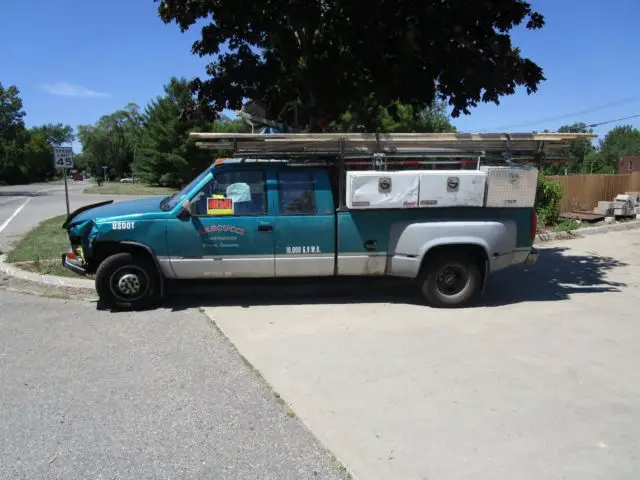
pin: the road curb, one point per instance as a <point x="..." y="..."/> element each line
<point x="15" y="272"/>
<point x="546" y="237"/>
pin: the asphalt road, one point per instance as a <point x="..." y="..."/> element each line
<point x="89" y="394"/>
<point x="22" y="207"/>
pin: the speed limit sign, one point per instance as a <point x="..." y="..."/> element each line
<point x="63" y="157"/>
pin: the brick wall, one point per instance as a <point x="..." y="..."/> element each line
<point x="628" y="165"/>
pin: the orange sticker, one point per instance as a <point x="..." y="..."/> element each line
<point x="219" y="206"/>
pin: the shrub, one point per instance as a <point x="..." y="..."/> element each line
<point x="548" y="199"/>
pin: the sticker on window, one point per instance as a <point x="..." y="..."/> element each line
<point x="218" y="205"/>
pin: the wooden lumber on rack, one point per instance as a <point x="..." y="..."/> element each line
<point x="512" y="145"/>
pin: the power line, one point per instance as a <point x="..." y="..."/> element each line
<point x="568" y="115"/>
<point x="613" y="121"/>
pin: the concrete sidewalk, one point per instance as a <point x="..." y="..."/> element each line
<point x="540" y="383"/>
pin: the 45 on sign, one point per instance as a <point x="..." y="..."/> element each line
<point x="63" y="157"/>
<point x="123" y="225"/>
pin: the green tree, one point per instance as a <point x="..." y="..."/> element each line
<point x="399" y="118"/>
<point x="38" y="150"/>
<point x="620" y="141"/>
<point x="334" y="56"/>
<point x="12" y="136"/>
<point x="579" y="152"/>
<point x="166" y="156"/>
<point x="113" y="141"/>
<point x="11" y="112"/>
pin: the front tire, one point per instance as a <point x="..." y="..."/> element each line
<point x="127" y="281"/>
<point x="451" y="280"/>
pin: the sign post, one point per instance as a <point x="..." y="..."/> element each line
<point x="63" y="158"/>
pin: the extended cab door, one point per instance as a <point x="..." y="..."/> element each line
<point x="304" y="223"/>
<point x="229" y="233"/>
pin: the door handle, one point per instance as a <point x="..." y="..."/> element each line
<point x="265" y="228"/>
<point x="371" y="245"/>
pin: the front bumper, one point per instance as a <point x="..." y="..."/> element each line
<point x="73" y="262"/>
<point x="532" y="257"/>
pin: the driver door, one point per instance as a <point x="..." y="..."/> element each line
<point x="229" y="233"/>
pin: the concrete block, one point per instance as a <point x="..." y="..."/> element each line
<point x="636" y="210"/>
<point x="623" y="212"/>
<point x="634" y="195"/>
<point x="609" y="219"/>
<point x="604" y="205"/>
<point x="603" y="211"/>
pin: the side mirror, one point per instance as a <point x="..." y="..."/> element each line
<point x="186" y="207"/>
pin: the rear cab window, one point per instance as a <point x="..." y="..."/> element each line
<point x="296" y="193"/>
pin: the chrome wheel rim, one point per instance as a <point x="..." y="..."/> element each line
<point x="129" y="283"/>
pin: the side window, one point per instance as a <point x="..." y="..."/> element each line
<point x="236" y="193"/>
<point x="630" y="165"/>
<point x="297" y="193"/>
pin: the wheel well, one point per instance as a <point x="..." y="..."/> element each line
<point x="475" y="251"/>
<point x="102" y="250"/>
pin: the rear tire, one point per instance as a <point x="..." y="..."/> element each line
<point x="127" y="281"/>
<point x="451" y="280"/>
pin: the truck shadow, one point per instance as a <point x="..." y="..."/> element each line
<point x="556" y="276"/>
<point x="252" y="293"/>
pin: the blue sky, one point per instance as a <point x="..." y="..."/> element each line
<point x="75" y="60"/>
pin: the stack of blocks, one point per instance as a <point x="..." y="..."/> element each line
<point x="635" y="196"/>
<point x="623" y="206"/>
<point x="626" y="205"/>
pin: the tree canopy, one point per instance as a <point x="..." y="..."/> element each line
<point x="112" y="141"/>
<point x="334" y="56"/>
<point x="26" y="154"/>
<point x="601" y="158"/>
<point x="621" y="141"/>
<point x="166" y="155"/>
<point x="580" y="152"/>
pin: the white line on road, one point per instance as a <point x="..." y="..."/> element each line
<point x="17" y="211"/>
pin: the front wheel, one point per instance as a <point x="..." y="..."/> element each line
<point x="127" y="281"/>
<point x="451" y="281"/>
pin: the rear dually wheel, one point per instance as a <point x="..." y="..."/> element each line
<point x="451" y="280"/>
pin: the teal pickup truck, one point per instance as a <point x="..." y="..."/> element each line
<point x="288" y="224"/>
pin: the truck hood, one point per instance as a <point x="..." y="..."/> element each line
<point x="114" y="209"/>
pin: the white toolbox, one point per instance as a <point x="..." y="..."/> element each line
<point x="378" y="189"/>
<point x="513" y="186"/>
<point x="452" y="188"/>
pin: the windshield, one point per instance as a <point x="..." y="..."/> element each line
<point x="170" y="202"/>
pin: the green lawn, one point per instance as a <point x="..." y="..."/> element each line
<point x="42" y="247"/>
<point x="117" y="188"/>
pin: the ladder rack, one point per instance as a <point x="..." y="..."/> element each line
<point x="495" y="146"/>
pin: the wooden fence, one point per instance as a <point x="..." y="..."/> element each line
<point x="582" y="192"/>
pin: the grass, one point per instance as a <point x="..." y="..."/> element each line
<point x="569" y="226"/>
<point x="117" y="188"/>
<point x="41" y="249"/>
